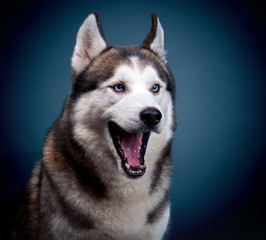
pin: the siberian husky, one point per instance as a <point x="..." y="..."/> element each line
<point x="105" y="167"/>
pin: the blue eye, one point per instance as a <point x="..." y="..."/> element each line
<point x="118" y="87"/>
<point x="156" y="88"/>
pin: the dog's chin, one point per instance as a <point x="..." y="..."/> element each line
<point x="131" y="148"/>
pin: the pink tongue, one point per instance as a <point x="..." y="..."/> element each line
<point x="131" y="145"/>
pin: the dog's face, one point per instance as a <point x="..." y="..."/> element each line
<point x="121" y="95"/>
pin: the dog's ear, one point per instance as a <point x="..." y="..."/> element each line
<point x="155" y="39"/>
<point x="90" y="42"/>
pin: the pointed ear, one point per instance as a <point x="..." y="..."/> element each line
<point x="155" y="39"/>
<point x="89" y="44"/>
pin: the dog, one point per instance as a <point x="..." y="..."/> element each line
<point x="105" y="167"/>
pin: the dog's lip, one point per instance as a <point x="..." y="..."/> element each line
<point x="117" y="135"/>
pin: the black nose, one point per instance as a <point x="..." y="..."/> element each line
<point x="151" y="116"/>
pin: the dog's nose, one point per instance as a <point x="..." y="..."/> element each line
<point x="151" y="116"/>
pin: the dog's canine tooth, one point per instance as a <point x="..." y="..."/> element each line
<point x="127" y="165"/>
<point x="142" y="166"/>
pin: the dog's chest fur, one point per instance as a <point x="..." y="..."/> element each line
<point x="124" y="209"/>
<point x="125" y="216"/>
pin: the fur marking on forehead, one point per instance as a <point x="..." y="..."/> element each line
<point x="136" y="64"/>
<point x="137" y="71"/>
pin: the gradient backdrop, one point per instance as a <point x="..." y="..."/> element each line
<point x="216" y="50"/>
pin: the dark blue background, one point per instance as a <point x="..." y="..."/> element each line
<point x="216" y="50"/>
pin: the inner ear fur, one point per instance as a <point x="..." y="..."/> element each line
<point x="90" y="42"/>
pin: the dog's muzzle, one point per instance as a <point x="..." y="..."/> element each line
<point x="131" y="147"/>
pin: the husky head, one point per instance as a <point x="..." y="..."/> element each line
<point x="122" y="97"/>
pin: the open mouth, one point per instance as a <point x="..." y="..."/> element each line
<point x="131" y="149"/>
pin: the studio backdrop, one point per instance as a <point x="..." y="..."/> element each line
<point x="216" y="51"/>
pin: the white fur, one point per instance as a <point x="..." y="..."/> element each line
<point x="89" y="43"/>
<point x="91" y="115"/>
<point x="123" y="108"/>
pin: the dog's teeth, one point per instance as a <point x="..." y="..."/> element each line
<point x="127" y="165"/>
<point x="142" y="166"/>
